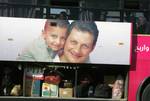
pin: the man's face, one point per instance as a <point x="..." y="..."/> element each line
<point x="78" y="46"/>
<point x="55" y="37"/>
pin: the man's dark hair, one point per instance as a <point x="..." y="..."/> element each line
<point x="85" y="26"/>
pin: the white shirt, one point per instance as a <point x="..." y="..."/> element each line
<point x="57" y="59"/>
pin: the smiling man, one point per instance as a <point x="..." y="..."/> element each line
<point x="80" y="42"/>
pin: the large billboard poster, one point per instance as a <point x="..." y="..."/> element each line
<point x="42" y="40"/>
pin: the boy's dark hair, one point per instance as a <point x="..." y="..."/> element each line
<point x="58" y="22"/>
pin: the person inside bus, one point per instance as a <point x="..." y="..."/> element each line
<point x="63" y="15"/>
<point x="82" y="37"/>
<point x="141" y="25"/>
<point x="48" y="44"/>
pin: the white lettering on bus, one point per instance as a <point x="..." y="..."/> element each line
<point x="143" y="48"/>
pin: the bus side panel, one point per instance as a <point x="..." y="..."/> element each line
<point x="140" y="66"/>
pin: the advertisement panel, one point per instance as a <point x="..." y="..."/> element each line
<point x="42" y="40"/>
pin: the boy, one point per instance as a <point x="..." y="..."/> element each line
<point x="48" y="44"/>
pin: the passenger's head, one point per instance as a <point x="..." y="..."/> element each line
<point x="55" y="34"/>
<point x="86" y="15"/>
<point x="82" y="37"/>
<point x="141" y="20"/>
<point x="63" y="15"/>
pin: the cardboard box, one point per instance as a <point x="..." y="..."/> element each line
<point x="53" y="90"/>
<point x="36" y="88"/>
<point x="49" y="90"/>
<point x="28" y="86"/>
<point x="65" y="92"/>
<point x="45" y="90"/>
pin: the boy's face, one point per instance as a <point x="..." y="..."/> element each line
<point x="78" y="46"/>
<point x="55" y="37"/>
